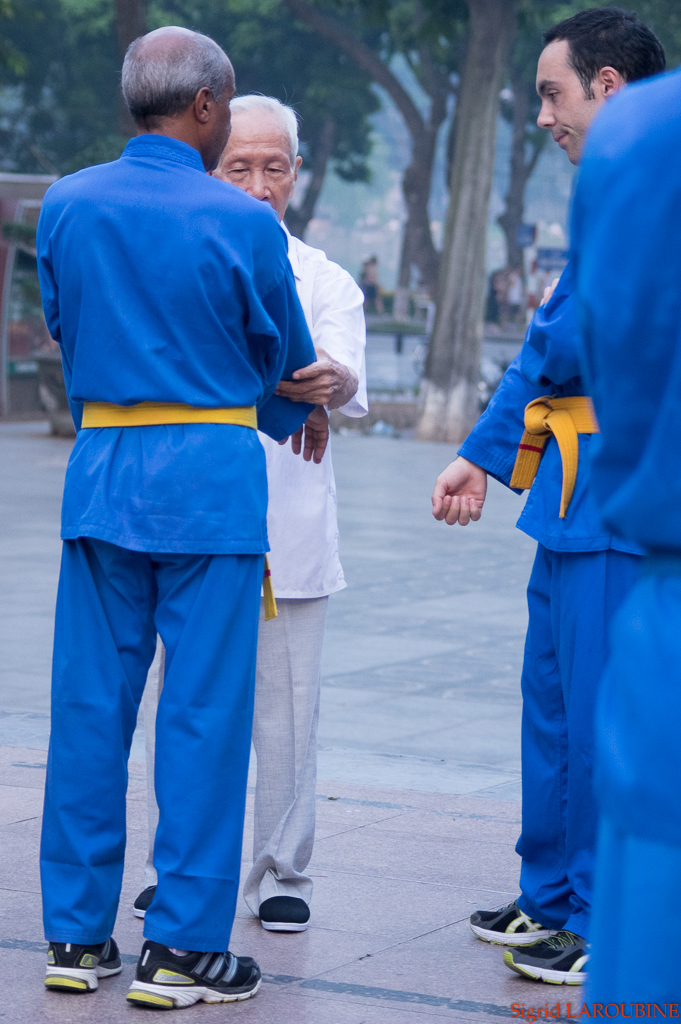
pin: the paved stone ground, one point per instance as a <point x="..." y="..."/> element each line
<point x="418" y="799"/>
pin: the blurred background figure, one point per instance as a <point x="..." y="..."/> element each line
<point x="369" y="283"/>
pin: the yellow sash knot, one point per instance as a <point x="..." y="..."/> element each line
<point x="153" y="414"/>
<point x="564" y="418"/>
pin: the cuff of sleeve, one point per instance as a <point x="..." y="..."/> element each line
<point x="353" y="408"/>
<point x="496" y="465"/>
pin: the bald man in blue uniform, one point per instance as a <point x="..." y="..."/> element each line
<point x="172" y="298"/>
<point x="537" y="432"/>
<point x="627" y="244"/>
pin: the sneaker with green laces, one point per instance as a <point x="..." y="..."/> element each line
<point x="508" y="926"/>
<point x="559" y="960"/>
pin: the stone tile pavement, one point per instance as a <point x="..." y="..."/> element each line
<point x="396" y="872"/>
<point x="418" y="799"/>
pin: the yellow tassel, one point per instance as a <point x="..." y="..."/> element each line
<point x="268" y="593"/>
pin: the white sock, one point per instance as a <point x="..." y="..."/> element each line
<point x="178" y="952"/>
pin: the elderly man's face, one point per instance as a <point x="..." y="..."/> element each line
<point x="258" y="159"/>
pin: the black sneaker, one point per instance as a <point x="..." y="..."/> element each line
<point x="143" y="901"/>
<point x="559" y="960"/>
<point x="73" y="968"/>
<point x="509" y="926"/>
<point x="165" y="981"/>
<point x="284" y="914"/>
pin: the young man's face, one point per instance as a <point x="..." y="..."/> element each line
<point x="565" y="110"/>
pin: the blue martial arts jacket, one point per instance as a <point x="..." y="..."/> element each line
<point x="547" y="364"/>
<point x="627" y="219"/>
<point x="627" y="212"/>
<point x="163" y="284"/>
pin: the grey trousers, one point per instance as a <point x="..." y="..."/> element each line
<point x="285" y="739"/>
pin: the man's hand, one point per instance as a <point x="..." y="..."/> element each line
<point x="459" y="493"/>
<point x="548" y="291"/>
<point x="316" y="430"/>
<point x="326" y="382"/>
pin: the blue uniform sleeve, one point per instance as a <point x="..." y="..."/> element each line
<point x="49" y="295"/>
<point x="626" y="229"/>
<point x="278" y="416"/>
<point x="550" y="357"/>
<point x="493" y="442"/>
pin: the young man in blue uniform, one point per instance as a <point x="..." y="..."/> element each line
<point x="627" y="254"/>
<point x="539" y="423"/>
<point x="173" y="300"/>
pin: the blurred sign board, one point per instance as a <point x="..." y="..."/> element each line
<point x="525" y="235"/>
<point x="552" y="259"/>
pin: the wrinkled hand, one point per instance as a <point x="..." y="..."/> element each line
<point x="326" y="382"/>
<point x="316" y="436"/>
<point x="460" y="493"/>
<point x="548" y="291"/>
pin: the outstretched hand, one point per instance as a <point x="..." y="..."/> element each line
<point x="459" y="493"/>
<point x="313" y="436"/>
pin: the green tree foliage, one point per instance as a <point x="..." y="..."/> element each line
<point x="60" y="108"/>
<point x="427" y="34"/>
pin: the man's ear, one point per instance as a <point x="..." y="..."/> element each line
<point x="610" y="81"/>
<point x="203" y="102"/>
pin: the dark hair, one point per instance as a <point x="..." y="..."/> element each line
<point x="609" y="37"/>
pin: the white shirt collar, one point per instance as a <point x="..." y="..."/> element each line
<point x="293" y="256"/>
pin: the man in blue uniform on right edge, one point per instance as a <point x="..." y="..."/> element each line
<point x="627" y="252"/>
<point x="539" y="424"/>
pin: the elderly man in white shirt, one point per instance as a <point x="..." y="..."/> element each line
<point x="261" y="157"/>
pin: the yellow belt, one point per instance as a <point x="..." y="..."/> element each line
<point x="564" y="418"/>
<point x="150" y="414"/>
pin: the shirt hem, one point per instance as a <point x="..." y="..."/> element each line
<point x="578" y="545"/>
<point x="299" y="595"/>
<point x="181" y="547"/>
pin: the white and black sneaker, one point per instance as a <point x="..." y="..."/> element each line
<point x="75" y="968"/>
<point x="166" y="981"/>
<point x="284" y="914"/>
<point x="559" y="960"/>
<point x="143" y="901"/>
<point x="508" y="926"/>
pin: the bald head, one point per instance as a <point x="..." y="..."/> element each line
<point x="164" y="70"/>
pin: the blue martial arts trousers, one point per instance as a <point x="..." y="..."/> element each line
<point x="572" y="597"/>
<point x="111" y="604"/>
<point x="635" y="948"/>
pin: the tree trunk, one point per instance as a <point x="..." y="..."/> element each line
<point x="521" y="170"/>
<point x="131" y="22"/>
<point x="297" y="219"/>
<point x="449" y="391"/>
<point x="417" y="242"/>
<point x="512" y="217"/>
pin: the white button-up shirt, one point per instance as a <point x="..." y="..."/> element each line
<point x="301" y="518"/>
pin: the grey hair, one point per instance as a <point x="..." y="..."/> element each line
<point x="160" y="82"/>
<point x="286" y="116"/>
